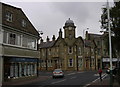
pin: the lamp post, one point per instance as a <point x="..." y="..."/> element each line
<point x="84" y="45"/>
<point x="110" y="48"/>
<point x="39" y="60"/>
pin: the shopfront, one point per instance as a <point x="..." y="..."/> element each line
<point x="106" y="62"/>
<point x="15" y="67"/>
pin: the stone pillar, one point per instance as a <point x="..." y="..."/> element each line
<point x="31" y="69"/>
<point x="25" y="69"/>
<point x="16" y="70"/>
<point x="1" y="70"/>
<point x="20" y="70"/>
<point x="35" y="69"/>
<point x="11" y="70"/>
<point x="28" y="69"/>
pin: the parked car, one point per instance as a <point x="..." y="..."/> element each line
<point x="58" y="73"/>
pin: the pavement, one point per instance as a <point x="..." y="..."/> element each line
<point x="96" y="83"/>
<point x="25" y="81"/>
<point x="104" y="83"/>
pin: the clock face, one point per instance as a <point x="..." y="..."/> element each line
<point x="70" y="28"/>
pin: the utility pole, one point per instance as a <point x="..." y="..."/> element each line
<point x="110" y="47"/>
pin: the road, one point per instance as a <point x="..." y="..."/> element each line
<point x="80" y="79"/>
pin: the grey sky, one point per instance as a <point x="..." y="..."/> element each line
<point x="50" y="16"/>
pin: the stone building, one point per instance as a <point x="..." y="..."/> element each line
<point x="66" y="52"/>
<point x="97" y="38"/>
<point x="105" y="53"/>
<point x="18" y="44"/>
<point x="90" y="56"/>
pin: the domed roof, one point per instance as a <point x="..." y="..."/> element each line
<point x="69" y="21"/>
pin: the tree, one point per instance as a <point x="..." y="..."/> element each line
<point x="115" y="25"/>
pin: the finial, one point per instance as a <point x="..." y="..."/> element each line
<point x="60" y="29"/>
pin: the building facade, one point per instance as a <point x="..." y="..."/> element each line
<point x="18" y="44"/>
<point x="90" y="56"/>
<point x="97" y="38"/>
<point x="67" y="53"/>
<point x="105" y="53"/>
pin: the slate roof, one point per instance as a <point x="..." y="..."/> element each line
<point x="46" y="44"/>
<point x="18" y="15"/>
<point x="94" y="35"/>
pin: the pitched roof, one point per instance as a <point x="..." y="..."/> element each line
<point x="18" y="15"/>
<point x="46" y="44"/>
<point x="94" y="35"/>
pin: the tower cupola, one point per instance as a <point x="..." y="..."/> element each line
<point x="69" y="23"/>
<point x="69" y="29"/>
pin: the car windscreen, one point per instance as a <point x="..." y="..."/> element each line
<point x="57" y="70"/>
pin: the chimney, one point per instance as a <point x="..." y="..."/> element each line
<point x="53" y="38"/>
<point x="41" y="40"/>
<point x="60" y="33"/>
<point x="86" y="35"/>
<point x="47" y="39"/>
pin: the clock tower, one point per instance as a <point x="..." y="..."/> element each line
<point x="69" y="29"/>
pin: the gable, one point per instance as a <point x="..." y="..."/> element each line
<point x="79" y="41"/>
<point x="17" y="17"/>
<point x="59" y="42"/>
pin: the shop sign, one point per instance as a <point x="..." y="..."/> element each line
<point x="23" y="60"/>
<point x="108" y="59"/>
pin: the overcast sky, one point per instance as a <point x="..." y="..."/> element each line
<point x="49" y="17"/>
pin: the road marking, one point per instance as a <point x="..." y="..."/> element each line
<point x="95" y="80"/>
<point x="58" y="81"/>
<point x="71" y="74"/>
<point x="73" y="77"/>
<point x="103" y="76"/>
<point x="86" y="85"/>
<point x="98" y="74"/>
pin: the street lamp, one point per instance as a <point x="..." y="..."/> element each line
<point x="39" y="60"/>
<point x="110" y="48"/>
